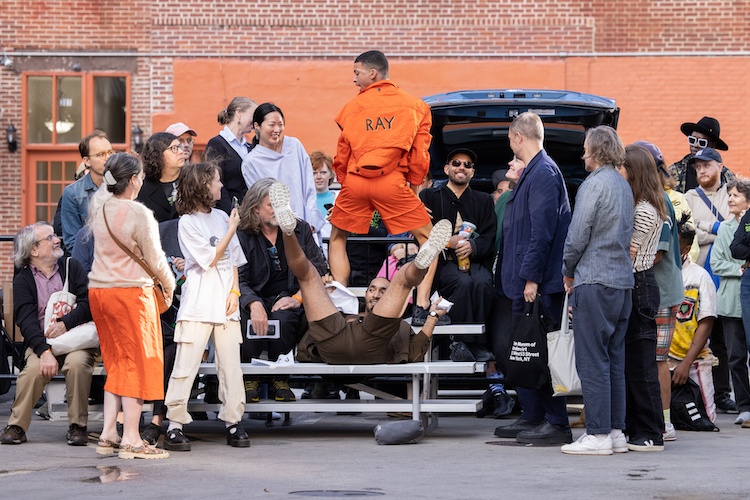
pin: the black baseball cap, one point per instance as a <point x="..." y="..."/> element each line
<point x="468" y="152"/>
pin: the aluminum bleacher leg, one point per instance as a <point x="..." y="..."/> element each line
<point x="415" y="395"/>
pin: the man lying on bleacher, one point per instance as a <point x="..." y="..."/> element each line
<point x="43" y="271"/>
<point x="381" y="336"/>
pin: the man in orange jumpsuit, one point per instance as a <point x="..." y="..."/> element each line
<point x="381" y="158"/>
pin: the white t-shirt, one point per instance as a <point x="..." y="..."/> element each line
<point x="205" y="291"/>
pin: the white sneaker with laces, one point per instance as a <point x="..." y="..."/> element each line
<point x="588" y="444"/>
<point x="669" y="432"/>
<point x="439" y="238"/>
<point x="619" y="441"/>
<point x="279" y="196"/>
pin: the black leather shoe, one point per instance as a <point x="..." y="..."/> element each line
<point x="175" y="440"/>
<point x="546" y="433"/>
<point x="77" y="435"/>
<point x="237" y="437"/>
<point x="512" y="430"/>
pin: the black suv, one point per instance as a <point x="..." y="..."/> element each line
<point x="479" y="120"/>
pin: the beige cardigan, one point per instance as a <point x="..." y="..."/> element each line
<point x="134" y="225"/>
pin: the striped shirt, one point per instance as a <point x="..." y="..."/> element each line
<point x="646" y="231"/>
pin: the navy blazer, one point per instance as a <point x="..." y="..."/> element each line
<point x="535" y="225"/>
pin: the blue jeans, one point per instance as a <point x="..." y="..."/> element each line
<point x="745" y="302"/>
<point x="600" y="321"/>
<point x="538" y="405"/>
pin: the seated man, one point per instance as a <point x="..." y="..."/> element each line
<point x="38" y="255"/>
<point x="381" y="336"/>
<point x="268" y="290"/>
<point x="688" y="355"/>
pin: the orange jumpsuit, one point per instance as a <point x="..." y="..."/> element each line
<point x="384" y="144"/>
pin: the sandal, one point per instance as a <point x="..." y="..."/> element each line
<point x="130" y="451"/>
<point x="107" y="447"/>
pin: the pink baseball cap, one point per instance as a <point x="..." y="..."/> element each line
<point x="179" y="128"/>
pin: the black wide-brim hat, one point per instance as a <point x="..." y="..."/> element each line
<point x="709" y="127"/>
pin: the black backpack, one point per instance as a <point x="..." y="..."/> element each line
<point x="688" y="410"/>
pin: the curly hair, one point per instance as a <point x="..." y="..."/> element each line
<point x="193" y="194"/>
<point x="153" y="154"/>
<point x="249" y="219"/>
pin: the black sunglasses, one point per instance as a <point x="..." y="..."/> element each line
<point x="458" y="163"/>
<point x="274" y="252"/>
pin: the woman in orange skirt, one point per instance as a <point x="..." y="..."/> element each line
<point x="123" y="304"/>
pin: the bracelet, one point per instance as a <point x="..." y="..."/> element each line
<point x="235" y="291"/>
<point x="296" y="297"/>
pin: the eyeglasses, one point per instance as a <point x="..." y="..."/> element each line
<point x="103" y="154"/>
<point x="187" y="142"/>
<point x="702" y="143"/>
<point x="48" y="238"/>
<point x="177" y="148"/>
<point x="458" y="163"/>
<point x="274" y="253"/>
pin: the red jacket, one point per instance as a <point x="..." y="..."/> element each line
<point x="385" y="128"/>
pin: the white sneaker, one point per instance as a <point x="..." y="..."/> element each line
<point x="439" y="238"/>
<point x="279" y="196"/>
<point x="589" y="444"/>
<point x="669" y="433"/>
<point x="745" y="415"/>
<point x="619" y="441"/>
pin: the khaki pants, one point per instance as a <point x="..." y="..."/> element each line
<point x="191" y="338"/>
<point x="77" y="367"/>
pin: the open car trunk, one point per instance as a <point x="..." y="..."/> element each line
<point x="479" y="120"/>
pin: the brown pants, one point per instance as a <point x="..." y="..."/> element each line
<point x="77" y="367"/>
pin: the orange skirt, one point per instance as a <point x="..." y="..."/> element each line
<point x="127" y="320"/>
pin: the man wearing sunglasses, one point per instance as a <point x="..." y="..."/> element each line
<point x="95" y="149"/>
<point x="470" y="289"/>
<point x="701" y="135"/>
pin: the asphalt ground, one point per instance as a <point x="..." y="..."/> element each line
<point x="338" y="455"/>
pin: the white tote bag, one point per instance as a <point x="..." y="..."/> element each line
<point x="80" y="337"/>
<point x="562" y="358"/>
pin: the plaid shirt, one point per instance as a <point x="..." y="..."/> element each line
<point x="45" y="287"/>
<point x="678" y="171"/>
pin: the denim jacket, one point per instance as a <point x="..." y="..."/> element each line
<point x="597" y="249"/>
<point x="75" y="208"/>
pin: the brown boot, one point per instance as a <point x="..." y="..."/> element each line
<point x="581" y="422"/>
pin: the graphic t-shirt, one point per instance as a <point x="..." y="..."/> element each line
<point x="699" y="303"/>
<point x="205" y="291"/>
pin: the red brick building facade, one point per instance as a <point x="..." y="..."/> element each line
<point x="665" y="61"/>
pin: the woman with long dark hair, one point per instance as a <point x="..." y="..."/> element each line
<point x="284" y="159"/>
<point x="229" y="148"/>
<point x="123" y="304"/>
<point x="644" y="417"/>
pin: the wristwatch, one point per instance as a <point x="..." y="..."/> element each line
<point x="433" y="314"/>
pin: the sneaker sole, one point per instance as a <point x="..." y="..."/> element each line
<point x="279" y="196"/>
<point x="656" y="447"/>
<point x="588" y="452"/>
<point x="440" y="235"/>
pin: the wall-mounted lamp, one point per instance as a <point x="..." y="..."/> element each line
<point x="10" y="133"/>
<point x="138" y="139"/>
<point x="6" y="61"/>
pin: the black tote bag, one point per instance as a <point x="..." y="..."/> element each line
<point x="527" y="359"/>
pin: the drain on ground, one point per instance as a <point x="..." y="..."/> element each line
<point x="336" y="493"/>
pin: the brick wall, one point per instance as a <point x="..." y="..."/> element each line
<point x="428" y="40"/>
